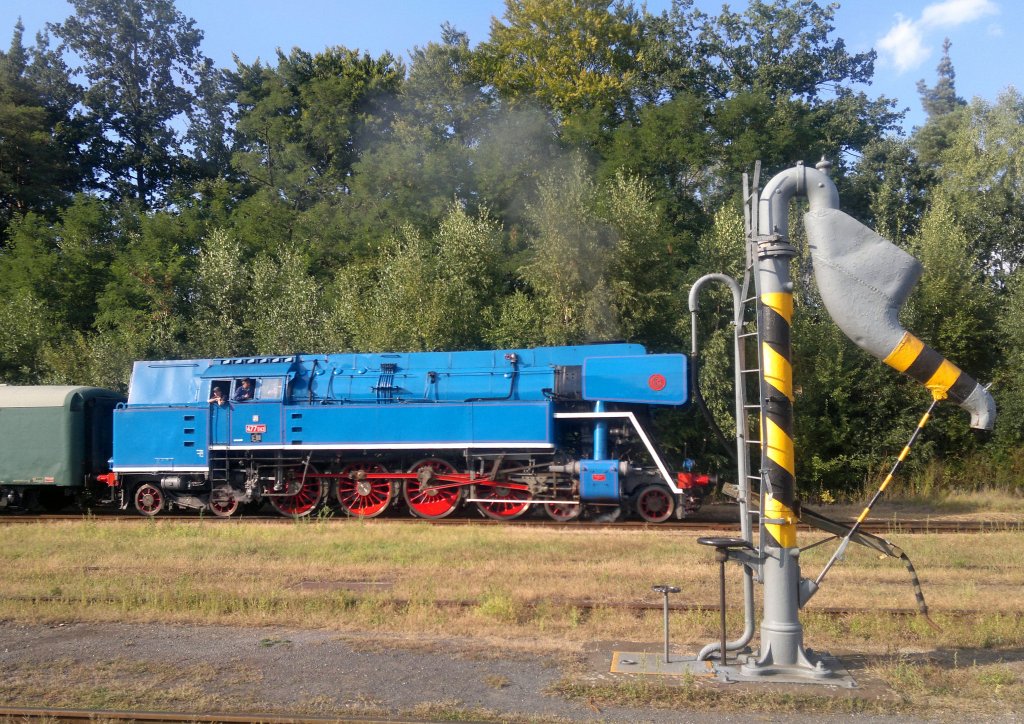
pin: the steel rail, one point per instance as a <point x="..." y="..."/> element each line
<point x="123" y="715"/>
<point x="888" y="525"/>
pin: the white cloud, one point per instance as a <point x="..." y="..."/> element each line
<point x="951" y="13"/>
<point x="904" y="44"/>
<point x="995" y="31"/>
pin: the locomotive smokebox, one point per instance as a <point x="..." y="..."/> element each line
<point x="864" y="281"/>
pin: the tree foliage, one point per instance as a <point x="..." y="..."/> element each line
<point x="140" y="58"/>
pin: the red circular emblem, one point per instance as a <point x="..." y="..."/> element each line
<point x="657" y="382"/>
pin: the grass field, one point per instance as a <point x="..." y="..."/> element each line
<point x="521" y="586"/>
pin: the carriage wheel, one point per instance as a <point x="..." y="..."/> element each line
<point x="563" y="512"/>
<point x="222" y="502"/>
<point x="655" y="504"/>
<point x="148" y="499"/>
<point x="305" y="499"/>
<point x="362" y="497"/>
<point x="502" y="510"/>
<point x="424" y="498"/>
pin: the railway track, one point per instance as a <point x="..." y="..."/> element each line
<point x="25" y="714"/>
<point x="583" y="604"/>
<point x="881" y="526"/>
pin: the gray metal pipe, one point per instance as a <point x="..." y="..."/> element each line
<point x="773" y="207"/>
<point x="742" y="466"/>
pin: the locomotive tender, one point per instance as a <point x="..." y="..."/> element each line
<point x="562" y="428"/>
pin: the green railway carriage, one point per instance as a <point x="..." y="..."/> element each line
<point x="54" y="442"/>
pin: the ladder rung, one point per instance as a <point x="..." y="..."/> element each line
<point x="752" y="369"/>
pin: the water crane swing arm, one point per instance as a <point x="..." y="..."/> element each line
<point x="839" y="530"/>
<point x="904" y="454"/>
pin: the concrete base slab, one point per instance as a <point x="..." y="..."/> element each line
<point x="654" y="664"/>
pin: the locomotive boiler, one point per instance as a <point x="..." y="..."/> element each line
<point x="562" y="428"/>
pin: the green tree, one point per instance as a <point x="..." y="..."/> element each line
<point x="299" y="124"/>
<point x="777" y="85"/>
<point x="945" y="110"/>
<point x="411" y="174"/>
<point x="221" y="286"/>
<point x="25" y="327"/>
<point x="982" y="174"/>
<point x="38" y="160"/>
<point x="576" y="57"/>
<point x="285" y="311"/>
<point x="1009" y="377"/>
<point x="140" y="57"/>
<point x="423" y="292"/>
<point x="597" y="263"/>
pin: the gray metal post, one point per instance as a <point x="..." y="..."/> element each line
<point x="665" y="590"/>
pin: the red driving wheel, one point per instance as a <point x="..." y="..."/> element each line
<point x="363" y="497"/>
<point x="505" y="501"/>
<point x="563" y="512"/>
<point x="303" y="490"/>
<point x="428" y="497"/>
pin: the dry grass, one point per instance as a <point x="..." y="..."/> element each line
<point x="516" y="585"/>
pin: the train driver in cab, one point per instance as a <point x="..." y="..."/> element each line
<point x="243" y="391"/>
<point x="217" y="395"/>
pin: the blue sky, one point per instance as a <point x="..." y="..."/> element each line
<point x="987" y="52"/>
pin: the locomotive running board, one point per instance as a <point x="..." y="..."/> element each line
<point x="640" y="431"/>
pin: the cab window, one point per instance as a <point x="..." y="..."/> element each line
<point x="269" y="388"/>
<point x="219" y="390"/>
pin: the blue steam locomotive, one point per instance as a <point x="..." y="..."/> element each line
<point x="562" y="428"/>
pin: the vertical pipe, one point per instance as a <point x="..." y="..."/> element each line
<point x="742" y="453"/>
<point x="600" y="434"/>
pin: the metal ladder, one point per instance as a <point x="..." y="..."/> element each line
<point x="218" y="462"/>
<point x="748" y="333"/>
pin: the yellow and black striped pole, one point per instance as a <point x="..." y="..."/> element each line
<point x="881" y="489"/>
<point x="779" y="459"/>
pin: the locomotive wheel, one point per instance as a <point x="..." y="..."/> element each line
<point x="562" y="512"/>
<point x="425" y="500"/>
<point x="148" y="499"/>
<point x="654" y="504"/>
<point x="360" y="497"/>
<point x="222" y="503"/>
<point x="501" y="510"/>
<point x="305" y="499"/>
